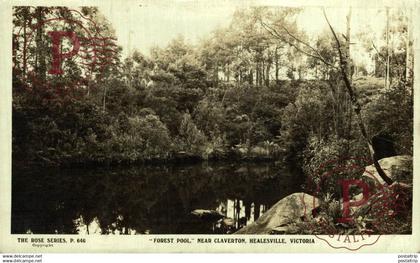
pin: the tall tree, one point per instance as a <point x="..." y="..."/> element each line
<point x="387" y="80"/>
<point x="305" y="48"/>
<point x="356" y="105"/>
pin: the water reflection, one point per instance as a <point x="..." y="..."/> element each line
<point x="146" y="199"/>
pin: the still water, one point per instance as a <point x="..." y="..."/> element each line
<point x="158" y="199"/>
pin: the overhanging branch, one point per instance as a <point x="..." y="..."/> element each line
<point x="356" y="105"/>
<point x="379" y="54"/>
<point x="274" y="33"/>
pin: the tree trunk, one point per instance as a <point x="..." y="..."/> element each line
<point x="228" y="73"/>
<point x="347" y="47"/>
<point x="40" y="66"/>
<point x="409" y="57"/>
<point x="276" y="61"/>
<point x="104" y="100"/>
<point x="256" y="211"/>
<point x="24" y="46"/>
<point x="262" y="79"/>
<point x="267" y="76"/>
<point x="387" y="49"/>
<point x="251" y="77"/>
<point x="216" y="74"/>
<point x="357" y="107"/>
<point x="348" y="110"/>
<point x="257" y="74"/>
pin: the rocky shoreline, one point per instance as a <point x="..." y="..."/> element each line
<point x="299" y="208"/>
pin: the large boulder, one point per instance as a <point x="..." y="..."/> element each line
<point x="398" y="168"/>
<point x="293" y="208"/>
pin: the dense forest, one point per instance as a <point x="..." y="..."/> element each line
<point x="258" y="89"/>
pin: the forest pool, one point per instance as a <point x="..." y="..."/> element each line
<point x="155" y="199"/>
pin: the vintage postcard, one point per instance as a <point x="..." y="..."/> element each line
<point x="209" y="126"/>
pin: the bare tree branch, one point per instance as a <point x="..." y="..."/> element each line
<point x="343" y="62"/>
<point x="274" y="33"/>
<point x="380" y="55"/>
<point x="306" y="44"/>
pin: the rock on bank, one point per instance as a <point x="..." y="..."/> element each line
<point x="288" y="210"/>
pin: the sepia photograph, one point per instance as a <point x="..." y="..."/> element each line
<point x="200" y="117"/>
